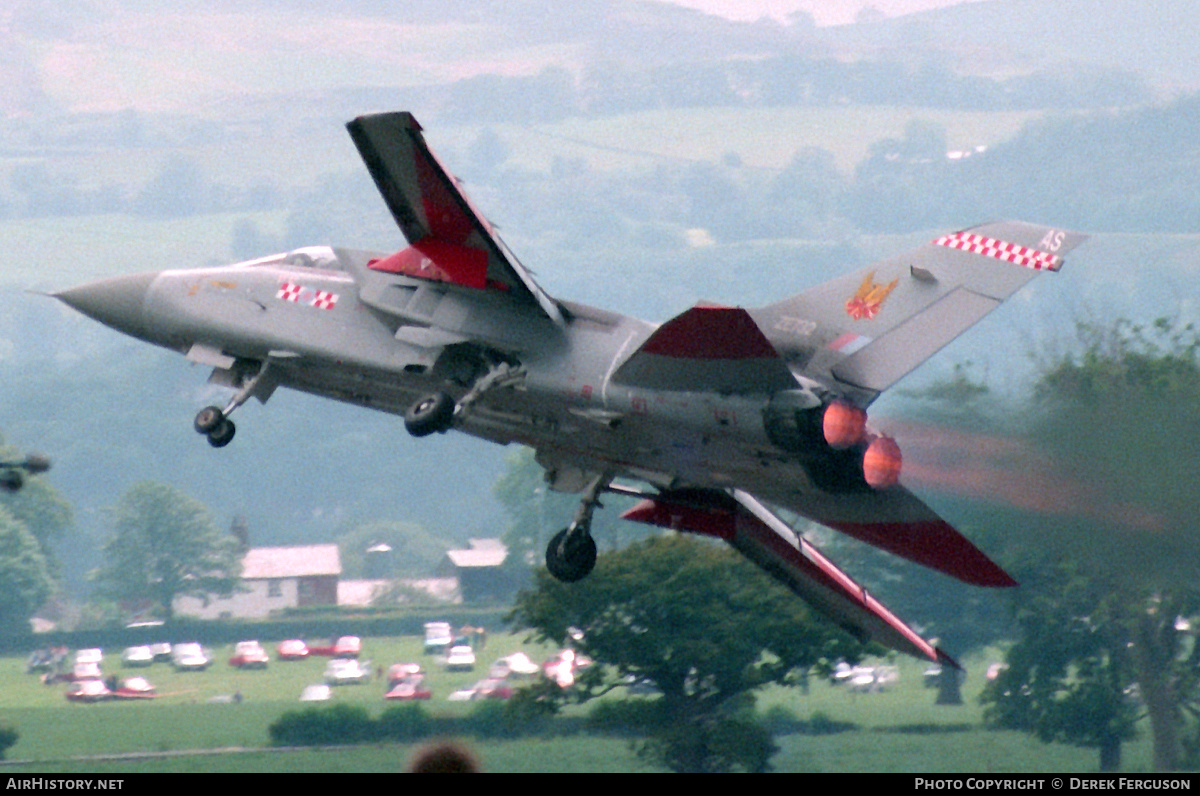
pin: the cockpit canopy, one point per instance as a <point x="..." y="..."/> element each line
<point x="319" y="257"/>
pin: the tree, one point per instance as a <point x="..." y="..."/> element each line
<point x="1069" y="678"/>
<point x="25" y="580"/>
<point x="415" y="551"/>
<point x="165" y="545"/>
<point x="701" y="624"/>
<point x="1111" y="601"/>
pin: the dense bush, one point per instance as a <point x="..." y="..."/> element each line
<point x="8" y="737"/>
<point x="625" y="716"/>
<point x="336" y="724"/>
<point x="408" y="722"/>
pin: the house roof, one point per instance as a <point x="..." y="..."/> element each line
<point x="291" y="562"/>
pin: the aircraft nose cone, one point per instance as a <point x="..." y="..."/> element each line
<point x="117" y="302"/>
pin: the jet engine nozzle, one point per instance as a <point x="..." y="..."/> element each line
<point x="881" y="463"/>
<point x="843" y="425"/>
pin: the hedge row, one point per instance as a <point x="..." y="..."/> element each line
<point x="310" y="625"/>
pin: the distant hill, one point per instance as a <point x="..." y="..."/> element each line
<point x="1158" y="40"/>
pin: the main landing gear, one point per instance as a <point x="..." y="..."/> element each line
<point x="436" y="412"/>
<point x="571" y="554"/>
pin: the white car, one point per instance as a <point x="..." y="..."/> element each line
<point x="460" y="659"/>
<point x="316" y="693"/>
<point x="89" y="656"/>
<point x="516" y="666"/>
<point x="438" y="636"/>
<point x="137" y="656"/>
<point x="347" y="671"/>
<point x="190" y="657"/>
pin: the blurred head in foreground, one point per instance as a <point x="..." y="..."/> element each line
<point x="444" y="757"/>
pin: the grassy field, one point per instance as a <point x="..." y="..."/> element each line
<point x="761" y="137"/>
<point x="899" y="729"/>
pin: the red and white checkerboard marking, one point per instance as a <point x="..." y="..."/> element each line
<point x="298" y="294"/>
<point x="289" y="291"/>
<point x="324" y="300"/>
<point x="1009" y="252"/>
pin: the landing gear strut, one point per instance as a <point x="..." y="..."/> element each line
<point x="571" y="554"/>
<point x="213" y="421"/>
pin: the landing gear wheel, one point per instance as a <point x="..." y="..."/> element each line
<point x="208" y="419"/>
<point x="571" y="556"/>
<point x="433" y="413"/>
<point x="222" y="435"/>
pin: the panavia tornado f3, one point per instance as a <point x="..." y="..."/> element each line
<point x="718" y="419"/>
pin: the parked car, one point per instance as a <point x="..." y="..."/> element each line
<point x="563" y="666"/>
<point x="517" y="665"/>
<point x="249" y="655"/>
<point x="292" y="650"/>
<point x="88" y="691"/>
<point x="43" y="660"/>
<point x="162" y="652"/>
<point x="343" y="647"/>
<point x="460" y="659"/>
<point x="190" y="657"/>
<point x="86" y="671"/>
<point x="316" y="693"/>
<point x="347" y="671"/>
<point x="493" y="688"/>
<point x="137" y="656"/>
<point x="135" y="688"/>
<point x="406" y="690"/>
<point x="403" y="671"/>
<point x="93" y="655"/>
<point x="438" y="636"/>
<point x="490" y="688"/>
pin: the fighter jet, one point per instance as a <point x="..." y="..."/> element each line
<point x="723" y="419"/>
<point x="14" y="471"/>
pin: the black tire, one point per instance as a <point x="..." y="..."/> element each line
<point x="572" y="558"/>
<point x="11" y="480"/>
<point x="433" y="413"/>
<point x="222" y="435"/>
<point x="208" y="419"/>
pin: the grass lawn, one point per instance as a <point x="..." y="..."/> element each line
<point x="899" y="729"/>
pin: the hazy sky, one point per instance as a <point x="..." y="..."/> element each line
<point x="825" y="12"/>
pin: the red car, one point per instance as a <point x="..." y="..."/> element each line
<point x="492" y="689"/>
<point x="135" y="688"/>
<point x="292" y="650"/>
<point x="344" y="647"/>
<point x="88" y="691"/>
<point x="407" y="690"/>
<point x="249" y="655"/>
<point x="398" y="672"/>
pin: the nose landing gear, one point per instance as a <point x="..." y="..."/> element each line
<point x="213" y="421"/>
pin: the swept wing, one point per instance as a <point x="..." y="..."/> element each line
<point x="751" y="528"/>
<point x="450" y="241"/>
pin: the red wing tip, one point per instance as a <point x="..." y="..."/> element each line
<point x="946" y="660"/>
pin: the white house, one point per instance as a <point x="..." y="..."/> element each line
<point x="274" y="578"/>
